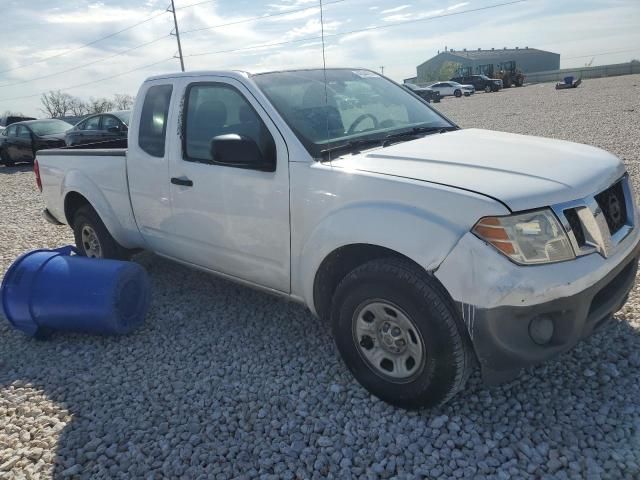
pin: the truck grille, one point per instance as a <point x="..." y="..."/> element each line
<point x="600" y="222"/>
<point x="612" y="203"/>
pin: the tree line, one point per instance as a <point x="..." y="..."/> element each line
<point x="60" y="104"/>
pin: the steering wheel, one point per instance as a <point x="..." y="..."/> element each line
<point x="360" y="119"/>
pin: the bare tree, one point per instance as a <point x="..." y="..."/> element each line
<point x="78" y="107"/>
<point x="123" y="101"/>
<point x="56" y="103"/>
<point x="99" y="105"/>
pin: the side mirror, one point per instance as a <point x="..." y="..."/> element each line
<point x="239" y="151"/>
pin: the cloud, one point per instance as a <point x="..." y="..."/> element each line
<point x="39" y="30"/>
<point x="396" y="9"/>
<point x="413" y="16"/>
<point x="312" y="12"/>
<point x="292" y="4"/>
<point x="311" y="27"/>
<point x="457" y="5"/>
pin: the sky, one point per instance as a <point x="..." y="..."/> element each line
<point x="43" y="41"/>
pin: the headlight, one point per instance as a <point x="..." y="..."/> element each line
<point x="528" y="238"/>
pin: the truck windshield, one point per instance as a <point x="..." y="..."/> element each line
<point x="356" y="105"/>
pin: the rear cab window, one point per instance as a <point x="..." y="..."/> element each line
<point x="153" y="120"/>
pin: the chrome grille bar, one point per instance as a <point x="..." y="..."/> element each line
<point x="597" y="237"/>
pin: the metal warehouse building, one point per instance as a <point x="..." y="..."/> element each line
<point x="527" y="59"/>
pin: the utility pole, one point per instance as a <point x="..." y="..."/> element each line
<point x="382" y="69"/>
<point x="172" y="9"/>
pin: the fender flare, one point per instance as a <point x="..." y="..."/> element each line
<point x="77" y="182"/>
<point x="432" y="238"/>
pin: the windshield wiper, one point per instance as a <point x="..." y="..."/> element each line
<point x="353" y="146"/>
<point x="356" y="146"/>
<point x="414" y="132"/>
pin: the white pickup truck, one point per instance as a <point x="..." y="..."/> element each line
<point x="428" y="248"/>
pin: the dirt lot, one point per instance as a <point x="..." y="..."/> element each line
<point x="225" y="382"/>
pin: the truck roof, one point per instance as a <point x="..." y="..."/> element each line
<point x="201" y="73"/>
<point x="237" y="73"/>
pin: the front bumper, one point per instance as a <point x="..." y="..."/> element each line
<point x="48" y="216"/>
<point x="502" y="304"/>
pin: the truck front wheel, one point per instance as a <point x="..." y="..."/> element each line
<point x="92" y="237"/>
<point x="397" y="332"/>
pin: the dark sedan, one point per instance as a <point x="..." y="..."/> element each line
<point x="20" y="141"/>
<point x="425" y="93"/>
<point x="103" y="127"/>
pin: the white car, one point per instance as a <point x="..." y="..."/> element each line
<point x="426" y="247"/>
<point x="452" y="88"/>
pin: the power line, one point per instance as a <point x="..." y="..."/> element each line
<point x="378" y="27"/>
<point x="148" y="19"/>
<point x="603" y="53"/>
<point x="92" y="81"/>
<point x="366" y="29"/>
<point x="86" y="64"/>
<point x="254" y="47"/>
<point x="260" y="17"/>
<point x="196" y="4"/>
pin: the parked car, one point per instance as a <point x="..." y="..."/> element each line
<point x="20" y="141"/>
<point x="9" y="119"/>
<point x="480" y="82"/>
<point x="452" y="88"/>
<point x="426" y="93"/>
<point x="425" y="259"/>
<point x="103" y="127"/>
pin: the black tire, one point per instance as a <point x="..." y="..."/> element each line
<point x="449" y="358"/>
<point x="488" y="89"/>
<point x="86" y="216"/>
<point x="457" y="93"/>
<point x="4" y="157"/>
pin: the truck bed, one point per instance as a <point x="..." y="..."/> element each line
<point x="97" y="174"/>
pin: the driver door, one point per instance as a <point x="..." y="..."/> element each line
<point x="24" y="144"/>
<point x="11" y="143"/>
<point x="230" y="219"/>
<point x="445" y="89"/>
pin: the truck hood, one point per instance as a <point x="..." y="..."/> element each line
<point x="521" y="171"/>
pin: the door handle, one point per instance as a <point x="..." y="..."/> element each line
<point x="185" y="182"/>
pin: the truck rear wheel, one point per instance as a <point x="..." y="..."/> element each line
<point x="397" y="332"/>
<point x="92" y="237"/>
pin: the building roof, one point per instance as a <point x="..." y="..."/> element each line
<point x="480" y="54"/>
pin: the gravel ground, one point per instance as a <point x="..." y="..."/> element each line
<point x="226" y="382"/>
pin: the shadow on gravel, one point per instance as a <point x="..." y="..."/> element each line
<point x="21" y="167"/>
<point x="223" y="380"/>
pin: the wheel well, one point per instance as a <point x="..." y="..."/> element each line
<point x="72" y="202"/>
<point x="338" y="264"/>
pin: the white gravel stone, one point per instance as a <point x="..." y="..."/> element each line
<point x="225" y="382"/>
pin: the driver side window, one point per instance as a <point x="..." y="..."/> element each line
<point x="23" y="132"/>
<point x="214" y="109"/>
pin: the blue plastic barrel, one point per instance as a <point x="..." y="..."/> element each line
<point x="568" y="80"/>
<point x="52" y="290"/>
